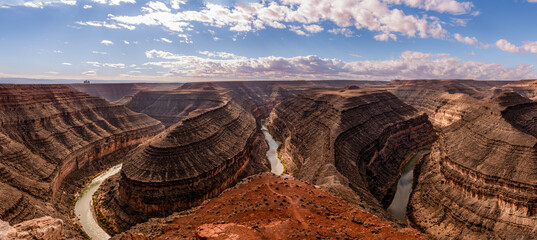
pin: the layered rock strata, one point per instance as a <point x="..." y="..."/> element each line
<point x="480" y="181"/>
<point x="44" y="228"/>
<point x="266" y="94"/>
<point x="352" y="142"/>
<point x="444" y="101"/>
<point x="50" y="131"/>
<point x="195" y="159"/>
<point x="117" y="91"/>
<point x="171" y="107"/>
<point x="270" y="207"/>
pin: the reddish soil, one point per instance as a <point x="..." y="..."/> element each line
<point x="270" y="207"/>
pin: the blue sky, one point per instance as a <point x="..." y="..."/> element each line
<point x="181" y="40"/>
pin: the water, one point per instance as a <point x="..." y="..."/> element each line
<point x="275" y="163"/>
<point x="404" y="187"/>
<point x="84" y="206"/>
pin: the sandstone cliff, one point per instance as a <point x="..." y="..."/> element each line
<point x="480" y="181"/>
<point x="49" y="132"/>
<point x="269" y="207"/>
<point x="195" y="159"/>
<point x="116" y="91"/>
<point x="352" y="142"/>
<point x="45" y="228"/>
<point x="266" y="94"/>
<point x="444" y="101"/>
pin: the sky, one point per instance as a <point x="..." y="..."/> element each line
<point x="186" y="40"/>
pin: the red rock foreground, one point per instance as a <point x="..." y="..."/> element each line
<point x="266" y="206"/>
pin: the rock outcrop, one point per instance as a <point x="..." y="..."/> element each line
<point x="266" y="206"/>
<point x="45" y="228"/>
<point x="49" y="132"/>
<point x="480" y="181"/>
<point x="444" y="101"/>
<point x="525" y="88"/>
<point x="352" y="142"/>
<point x="266" y="94"/>
<point x="195" y="159"/>
<point x="115" y="92"/>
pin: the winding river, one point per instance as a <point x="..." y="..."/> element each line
<point x="275" y="163"/>
<point x="404" y="187"/>
<point x="84" y="206"/>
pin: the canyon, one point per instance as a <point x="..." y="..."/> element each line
<point x="351" y="142"/>
<point x="461" y="153"/>
<point x="51" y="139"/>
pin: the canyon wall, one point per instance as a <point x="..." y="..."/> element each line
<point x="444" y="101"/>
<point x="266" y="94"/>
<point x="352" y="142"/>
<point x="195" y="159"/>
<point x="480" y="181"/>
<point x="117" y="91"/>
<point x="49" y="131"/>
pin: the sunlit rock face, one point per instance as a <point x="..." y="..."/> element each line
<point x="444" y="101"/>
<point x="49" y="131"/>
<point x="195" y="159"/>
<point x="480" y="181"/>
<point x="350" y="141"/>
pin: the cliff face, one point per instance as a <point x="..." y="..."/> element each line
<point x="171" y="107"/>
<point x="444" y="101"/>
<point x="525" y="88"/>
<point x="266" y="94"/>
<point x="49" y="131"/>
<point x="352" y="142"/>
<point x="269" y="207"/>
<point x="195" y="159"/>
<point x="480" y="181"/>
<point x="45" y="228"/>
<point x="118" y="91"/>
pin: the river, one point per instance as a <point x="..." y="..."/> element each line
<point x="404" y="187"/>
<point x="275" y="163"/>
<point x="84" y="206"/>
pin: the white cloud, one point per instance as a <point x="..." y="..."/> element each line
<point x="97" y="52"/>
<point x="90" y="73"/>
<point x="506" y="46"/>
<point x="87" y="6"/>
<point x="126" y="42"/>
<point x="37" y="3"/>
<point x="186" y="38"/>
<point x="380" y="16"/>
<point x="106" y="25"/>
<point x="52" y="72"/>
<point x="111" y="65"/>
<point x="176" y="4"/>
<point x="107" y="42"/>
<point x="449" y="6"/>
<point x="166" y="40"/>
<point x="410" y="65"/>
<point x="57" y="51"/>
<point x="113" y="2"/>
<point x="313" y="28"/>
<point x="343" y="31"/>
<point x="465" y="40"/>
<point x="67" y="64"/>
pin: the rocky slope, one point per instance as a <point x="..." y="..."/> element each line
<point x="195" y="159"/>
<point x="116" y="91"/>
<point x="170" y="107"/>
<point x="44" y="228"/>
<point x="480" y="181"/>
<point x="266" y="94"/>
<point x="444" y="101"/>
<point x="352" y="142"/>
<point x="269" y="207"/>
<point x="526" y="88"/>
<point x="49" y="133"/>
